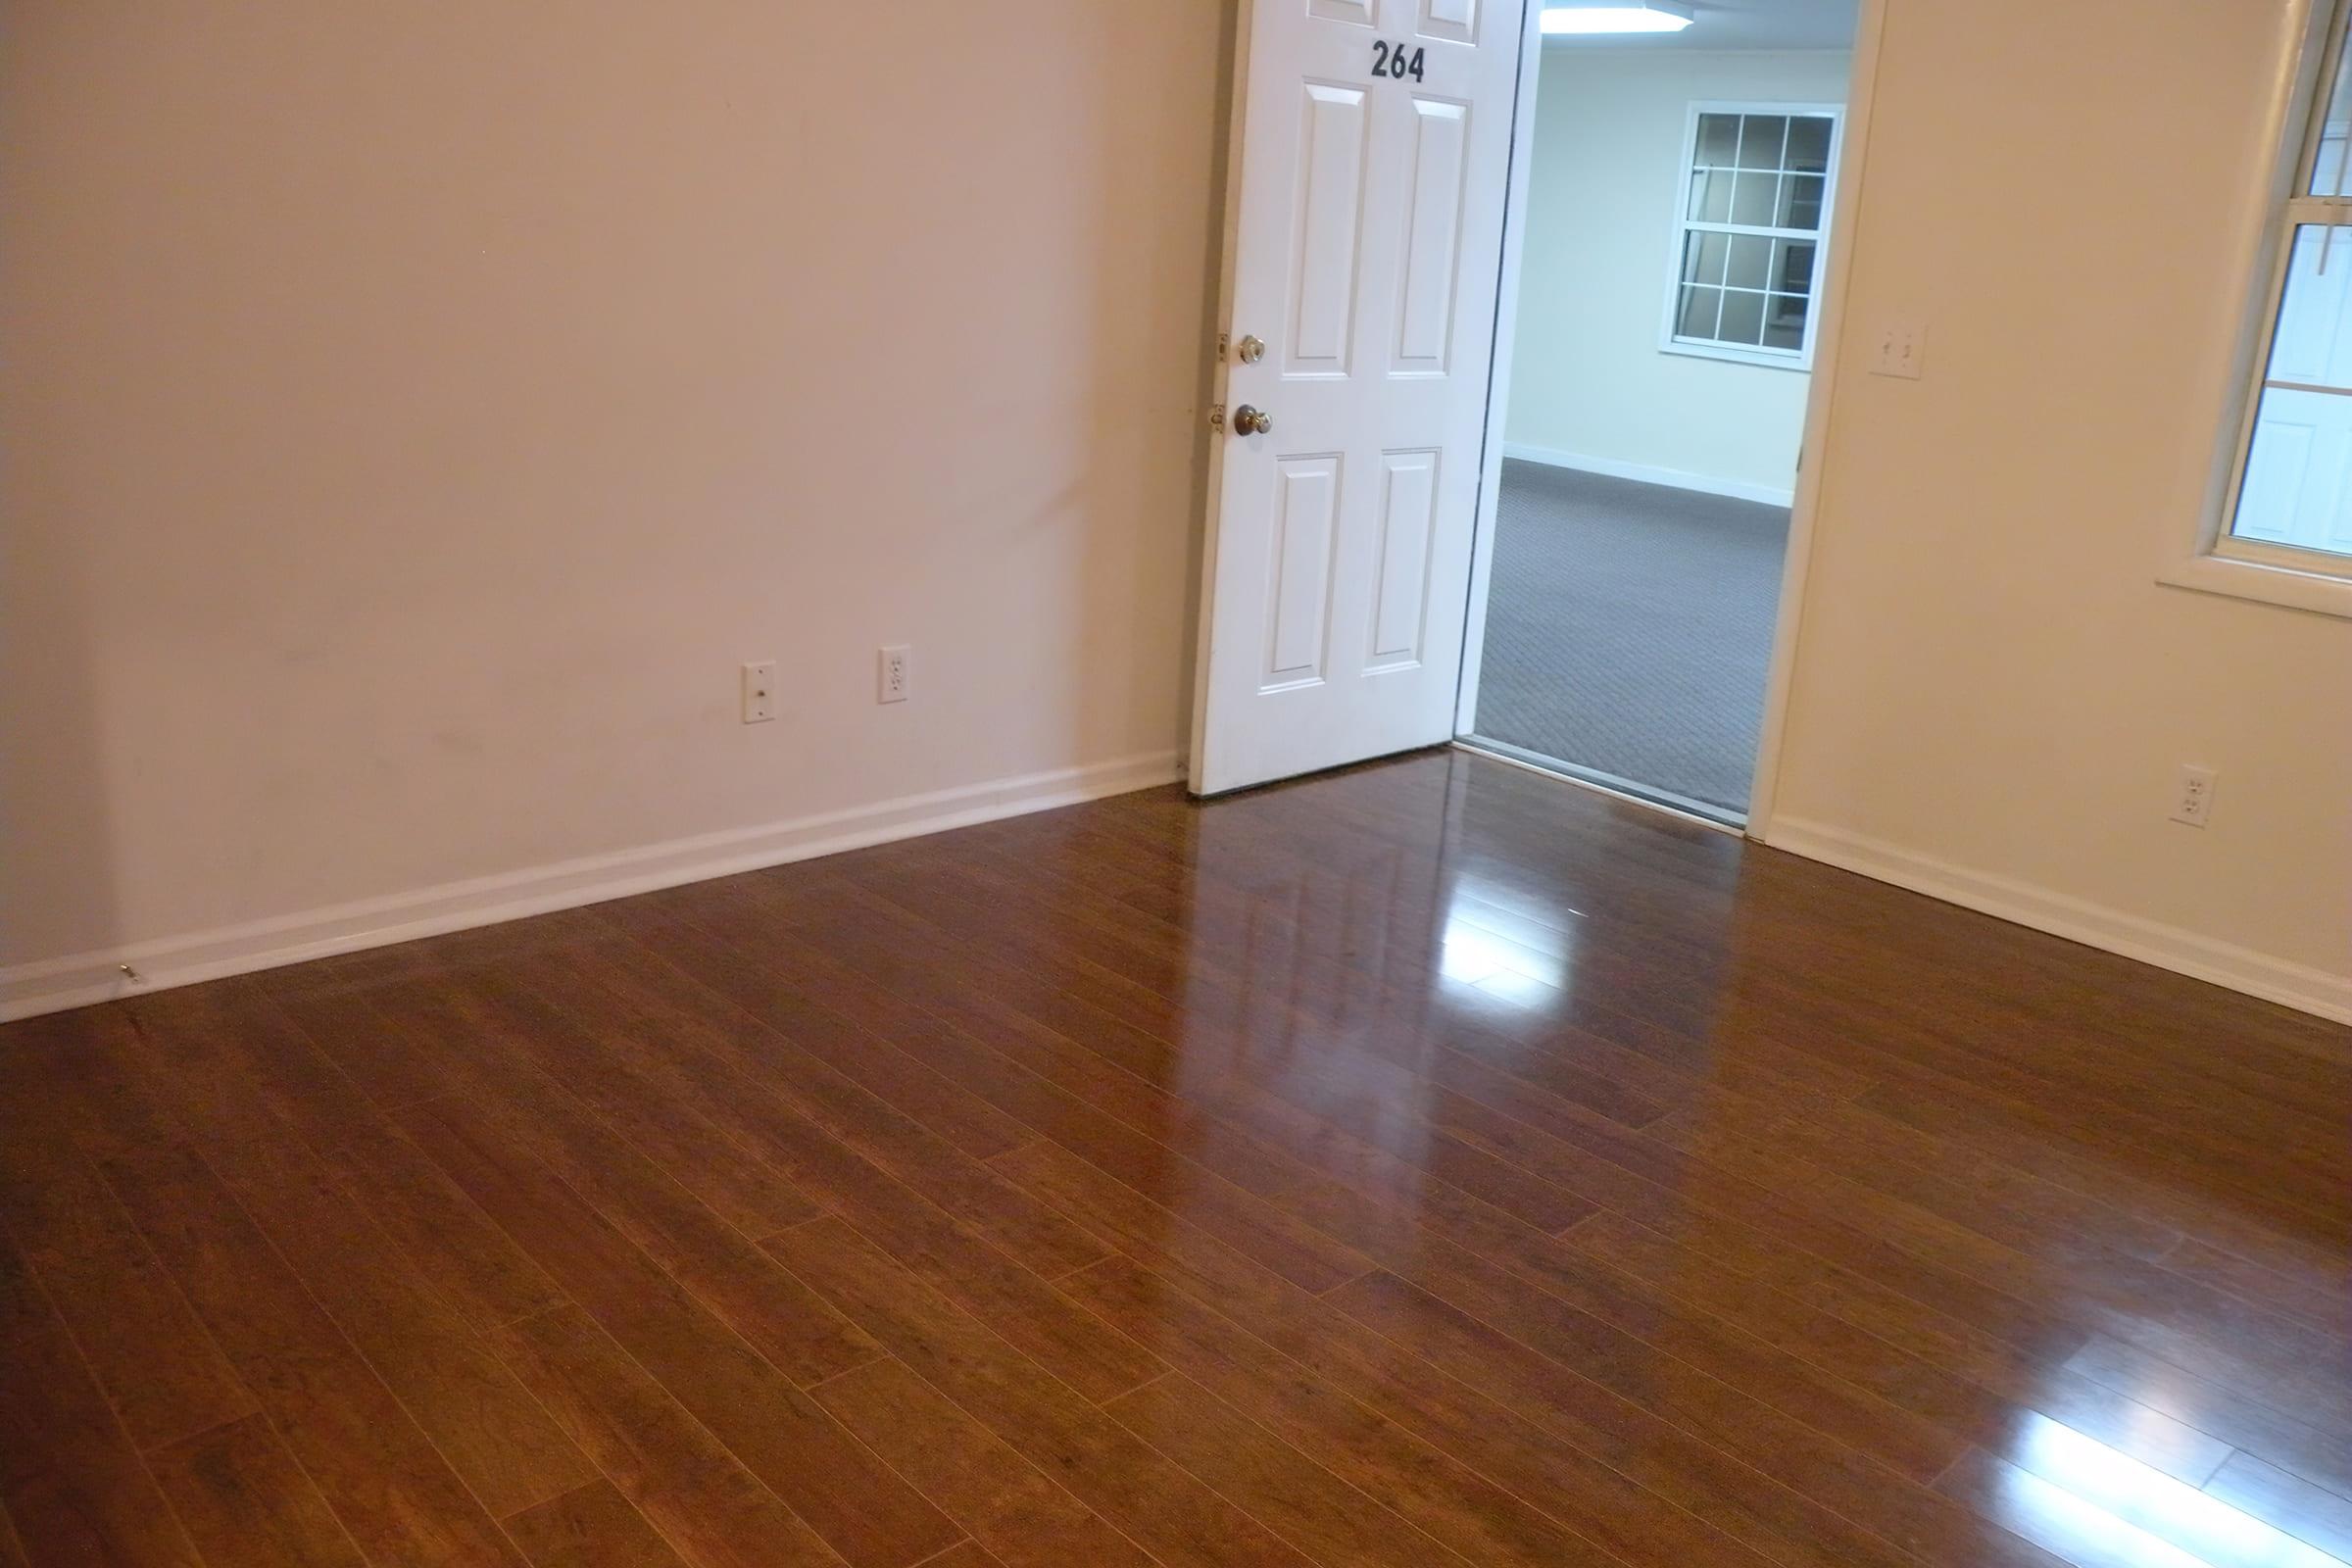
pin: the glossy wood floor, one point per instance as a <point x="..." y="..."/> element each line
<point x="1429" y="1165"/>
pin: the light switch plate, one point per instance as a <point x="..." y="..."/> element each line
<point x="1902" y="350"/>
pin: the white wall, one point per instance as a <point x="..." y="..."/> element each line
<point x="415" y="415"/>
<point x="1589" y="377"/>
<point x="1992" y="687"/>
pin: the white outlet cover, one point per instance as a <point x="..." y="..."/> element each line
<point x="2192" y="802"/>
<point x="898" y="658"/>
<point x="760" y="692"/>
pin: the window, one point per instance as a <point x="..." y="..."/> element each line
<point x="2288" y="501"/>
<point x="1753" y="213"/>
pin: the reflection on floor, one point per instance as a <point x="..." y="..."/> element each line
<point x="1428" y="1164"/>
<point x="1629" y="628"/>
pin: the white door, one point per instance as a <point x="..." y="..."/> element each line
<point x="1371" y="152"/>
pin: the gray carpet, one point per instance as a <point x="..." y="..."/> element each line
<point x="1628" y="629"/>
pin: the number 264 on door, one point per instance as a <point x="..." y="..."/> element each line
<point x="1392" y="60"/>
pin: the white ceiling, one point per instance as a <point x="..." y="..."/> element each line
<point x="1742" y="25"/>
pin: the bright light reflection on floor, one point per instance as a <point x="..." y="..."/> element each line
<point x="1483" y="943"/>
<point x="2074" y="1484"/>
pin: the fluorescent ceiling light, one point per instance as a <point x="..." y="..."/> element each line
<point x="1638" y="15"/>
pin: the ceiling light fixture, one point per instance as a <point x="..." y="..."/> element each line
<point x="1635" y="15"/>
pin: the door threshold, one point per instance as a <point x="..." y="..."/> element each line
<point x="1684" y="807"/>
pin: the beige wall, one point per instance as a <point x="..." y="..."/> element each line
<point x="1588" y="377"/>
<point x="412" y="416"/>
<point x="1989" y="678"/>
<point x="415" y="415"/>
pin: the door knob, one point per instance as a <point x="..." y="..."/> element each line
<point x="1248" y="421"/>
<point x="1250" y="350"/>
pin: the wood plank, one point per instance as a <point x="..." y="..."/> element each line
<point x="2202" y="1193"/>
<point x="2319" y="1303"/>
<point x="1025" y="1517"/>
<point x="1461" y="1051"/>
<point x="22" y="1307"/>
<point x="1357" y="1191"/>
<point x="1159" y="1506"/>
<point x="1463" y="1469"/>
<point x="2185" y="1518"/>
<point x="2077" y="1517"/>
<point x="1214" y="1036"/>
<point x="1980" y="1399"/>
<point x="70" y="1479"/>
<point x="386" y="1482"/>
<point x="160" y="1369"/>
<point x="861" y="1509"/>
<point x="2109" y="1292"/>
<point x="12" y="1549"/>
<point x="667" y="1464"/>
<point x="441" y="1234"/>
<point x="1377" y="1419"/>
<point x="493" y="1434"/>
<point x="245" y="1500"/>
<point x="1760" y="1479"/>
<point x="1627" y="1329"/>
<point x="922" y="1236"/>
<point x="2311" y="1514"/>
<point x="2319" y="1454"/>
<point x="731" y="990"/>
<point x="799" y="1333"/>
<point x="1299" y="1500"/>
<point x="238" y="1070"/>
<point x="618" y="1063"/>
<point x="828" y="1068"/>
<point x="965" y="1554"/>
<point x="1037" y="1102"/>
<point x="594" y="1527"/>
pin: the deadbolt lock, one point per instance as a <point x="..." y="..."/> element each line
<point x="1250" y="350"/>
<point x="1248" y="421"/>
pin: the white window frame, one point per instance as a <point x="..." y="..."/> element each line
<point x="1684" y="225"/>
<point x="2217" y="559"/>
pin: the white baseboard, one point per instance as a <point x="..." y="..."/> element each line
<point x="1680" y="479"/>
<point x="52" y="984"/>
<point x="2257" y="974"/>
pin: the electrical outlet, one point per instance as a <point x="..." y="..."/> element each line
<point x="760" y="692"/>
<point x="1902" y="350"/>
<point x="2194" y="802"/>
<point x="897" y="674"/>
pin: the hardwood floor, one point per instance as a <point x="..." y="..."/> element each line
<point x="1429" y="1165"/>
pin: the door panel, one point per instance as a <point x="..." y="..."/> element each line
<point x="1407" y="509"/>
<point x="1305" y="514"/>
<point x="1371" y="153"/>
<point x="1432" y="232"/>
<point x="1454" y="21"/>
<point x="1331" y="215"/>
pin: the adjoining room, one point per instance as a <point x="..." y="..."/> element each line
<point x="1669" y="304"/>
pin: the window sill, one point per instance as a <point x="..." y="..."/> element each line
<point x="2314" y="591"/>
<point x="1731" y="355"/>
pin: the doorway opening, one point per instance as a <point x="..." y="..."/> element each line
<point x="1657" y="352"/>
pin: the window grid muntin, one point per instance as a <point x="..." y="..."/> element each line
<point x="1763" y="142"/>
